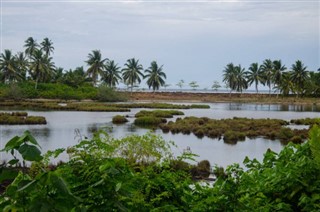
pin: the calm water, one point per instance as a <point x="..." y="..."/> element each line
<point x="62" y="127"/>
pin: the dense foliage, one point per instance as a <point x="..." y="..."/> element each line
<point x="26" y="90"/>
<point x="36" y="65"/>
<point x="273" y="74"/>
<point x="139" y="173"/>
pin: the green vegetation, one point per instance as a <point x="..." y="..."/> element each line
<point x="159" y="113"/>
<point x="147" y="121"/>
<point x="118" y="119"/>
<point x="139" y="173"/>
<point x="155" y="76"/>
<point x="236" y="129"/>
<point x="35" y="66"/>
<point x="20" y="118"/>
<point x="90" y="106"/>
<point x="155" y="117"/>
<point x="298" y="80"/>
<point x="306" y="121"/>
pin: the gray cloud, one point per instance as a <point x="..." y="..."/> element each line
<point x="191" y="39"/>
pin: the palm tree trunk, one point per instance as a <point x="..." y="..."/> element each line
<point x="131" y="89"/>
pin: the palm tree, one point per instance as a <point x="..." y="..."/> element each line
<point x="112" y="75"/>
<point x="267" y="68"/>
<point x="75" y="78"/>
<point x="255" y="75"/>
<point x="132" y="73"/>
<point x="180" y="84"/>
<point x="278" y="69"/>
<point x="8" y="67"/>
<point x="299" y="76"/>
<point x="241" y="82"/>
<point x="22" y="65"/>
<point x="229" y="76"/>
<point x="155" y="76"/>
<point x="96" y="65"/>
<point x="41" y="67"/>
<point x="285" y="86"/>
<point x="46" y="46"/>
<point x="30" y="45"/>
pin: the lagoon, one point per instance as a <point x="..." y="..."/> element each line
<point x="66" y="128"/>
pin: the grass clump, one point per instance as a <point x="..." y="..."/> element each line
<point x="118" y="119"/>
<point x="20" y="118"/>
<point x="149" y="121"/>
<point x="159" y="113"/>
<point x="306" y="121"/>
<point x="235" y="129"/>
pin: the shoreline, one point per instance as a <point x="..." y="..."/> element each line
<point x="220" y="98"/>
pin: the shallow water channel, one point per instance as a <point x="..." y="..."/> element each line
<point x="64" y="128"/>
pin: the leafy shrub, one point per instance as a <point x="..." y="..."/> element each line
<point x="107" y="94"/>
<point x="14" y="92"/>
<point x="102" y="175"/>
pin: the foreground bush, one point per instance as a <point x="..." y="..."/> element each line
<point x="139" y="173"/>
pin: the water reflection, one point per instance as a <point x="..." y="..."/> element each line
<point x="66" y="128"/>
<point x="273" y="107"/>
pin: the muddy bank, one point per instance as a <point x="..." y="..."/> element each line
<point x="220" y="97"/>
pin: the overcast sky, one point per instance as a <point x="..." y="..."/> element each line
<point x="194" y="40"/>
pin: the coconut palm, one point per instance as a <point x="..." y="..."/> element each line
<point x="22" y="65"/>
<point x="278" y="70"/>
<point x="46" y="46"/>
<point x="112" y="74"/>
<point x="31" y="45"/>
<point x="96" y="65"/>
<point x="255" y="75"/>
<point x="285" y="86"/>
<point x="241" y="82"/>
<point x="155" y="76"/>
<point x="42" y="68"/>
<point x="132" y="72"/>
<point x="267" y="68"/>
<point x="8" y="67"/>
<point x="229" y="76"/>
<point x="299" y="76"/>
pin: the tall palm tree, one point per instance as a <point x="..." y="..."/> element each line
<point x="267" y="68"/>
<point x="42" y="68"/>
<point x="229" y="77"/>
<point x="278" y="70"/>
<point x="22" y="65"/>
<point x="155" y="76"/>
<point x="112" y="74"/>
<point x="285" y="86"/>
<point x="31" y="45"/>
<point x="132" y="72"/>
<point x="299" y="76"/>
<point x="255" y="75"/>
<point x="46" y="46"/>
<point x="96" y="65"/>
<point x="241" y="82"/>
<point x="8" y="67"/>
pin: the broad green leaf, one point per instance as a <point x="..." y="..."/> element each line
<point x="13" y="143"/>
<point x="30" y="138"/>
<point x="13" y="161"/>
<point x="7" y="174"/>
<point x="30" y="152"/>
